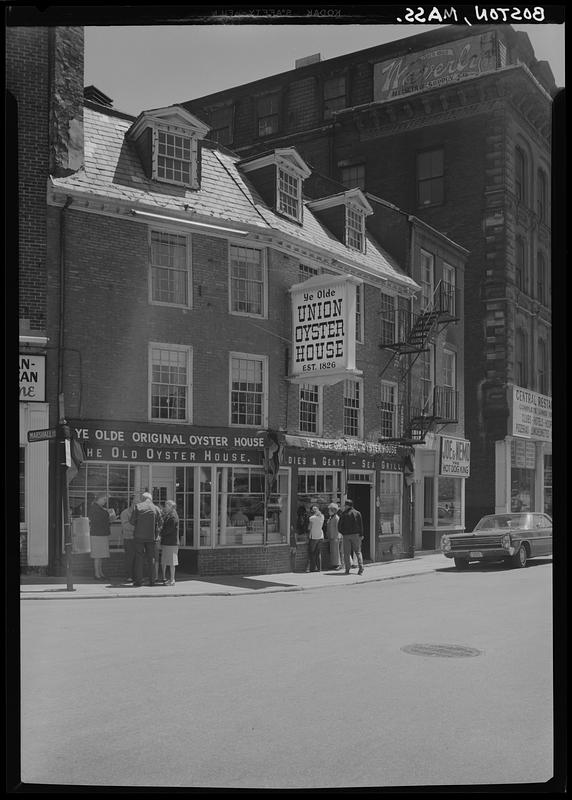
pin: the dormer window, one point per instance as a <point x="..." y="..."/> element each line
<point x="289" y="194"/>
<point x="168" y="143"/>
<point x="174" y="157"/>
<point x="344" y="215"/>
<point x="278" y="176"/>
<point x="355" y="228"/>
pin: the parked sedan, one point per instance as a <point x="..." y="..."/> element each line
<point x="512" y="538"/>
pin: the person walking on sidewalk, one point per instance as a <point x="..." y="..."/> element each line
<point x="315" y="537"/>
<point x="146" y="520"/>
<point x="351" y="528"/>
<point x="334" y="536"/>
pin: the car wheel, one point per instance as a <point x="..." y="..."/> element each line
<point x="461" y="563"/>
<point x="520" y="558"/>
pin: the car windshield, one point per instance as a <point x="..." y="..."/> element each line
<point x="505" y="521"/>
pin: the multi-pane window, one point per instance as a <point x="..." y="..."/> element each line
<point x="247" y="280"/>
<point x="541" y="293"/>
<point x="306" y="271"/>
<point x="520" y="264"/>
<point x="289" y="194"/>
<point x="169" y="268"/>
<point x="173" y="157"/>
<point x="427" y="278"/>
<point x="268" y="115"/>
<point x="221" y="125"/>
<point x="355" y="228"/>
<point x="520" y="175"/>
<point x="430" y="178"/>
<point x="426" y="379"/>
<point x="169" y="371"/>
<point x="542" y="367"/>
<point x="309" y="408"/>
<point x="449" y="369"/>
<point x="449" y="287"/>
<point x="542" y="196"/>
<point x="247" y="393"/>
<point x="359" y="313"/>
<point x="334" y="95"/>
<point x="387" y="318"/>
<point x="521" y="358"/>
<point x="388" y="410"/>
<point x="352" y="408"/>
<point x="120" y="482"/>
<point x="353" y="176"/>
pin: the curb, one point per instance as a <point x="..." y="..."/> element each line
<point x="62" y="594"/>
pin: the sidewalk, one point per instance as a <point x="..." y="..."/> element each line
<point x="33" y="587"/>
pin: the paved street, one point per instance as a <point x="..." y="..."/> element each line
<point x="295" y="689"/>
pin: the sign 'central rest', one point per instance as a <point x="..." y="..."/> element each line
<point x="324" y="329"/>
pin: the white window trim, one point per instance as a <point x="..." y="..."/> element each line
<point x="320" y="414"/>
<point x="281" y="166"/>
<point x="391" y="385"/>
<point x="449" y="351"/>
<point x="360" y="325"/>
<point x="359" y="211"/>
<point x="250" y="357"/>
<point x="431" y="257"/>
<point x="264" y="255"/>
<point x="176" y="232"/>
<point x="395" y="314"/>
<point x="193" y="162"/>
<point x="189" y="351"/>
<point x="359" y="434"/>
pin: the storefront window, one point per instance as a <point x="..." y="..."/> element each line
<point x="315" y="487"/>
<point x="119" y="481"/>
<point x="522" y="476"/>
<point x="185" y="499"/>
<point x="449" y="501"/>
<point x="241" y="509"/>
<point x="548" y="484"/>
<point x="390" y="503"/>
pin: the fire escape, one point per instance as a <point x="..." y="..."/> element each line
<point x="419" y="412"/>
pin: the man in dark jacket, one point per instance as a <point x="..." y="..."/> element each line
<point x="351" y="528"/>
<point x="147" y="521"/>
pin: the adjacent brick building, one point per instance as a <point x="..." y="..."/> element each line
<point x="454" y="126"/>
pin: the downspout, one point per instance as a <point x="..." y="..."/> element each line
<point x="62" y="307"/>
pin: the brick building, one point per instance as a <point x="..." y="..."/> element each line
<point x="454" y="126"/>
<point x="234" y="333"/>
<point x="44" y="81"/>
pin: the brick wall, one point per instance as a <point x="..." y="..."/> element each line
<point x="27" y="68"/>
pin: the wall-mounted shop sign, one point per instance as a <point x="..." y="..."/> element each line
<point x="32" y="378"/>
<point x="530" y="414"/>
<point x="141" y="442"/>
<point x="324" y="329"/>
<point x="443" y="64"/>
<point x="305" y="451"/>
<point x="455" y="457"/>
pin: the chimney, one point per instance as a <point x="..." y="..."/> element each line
<point x="96" y="96"/>
<point x="66" y="99"/>
<point x="304" y="62"/>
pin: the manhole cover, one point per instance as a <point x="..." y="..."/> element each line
<point x="442" y="650"/>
